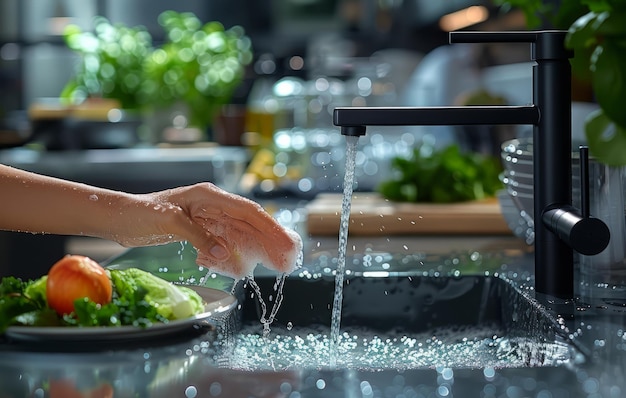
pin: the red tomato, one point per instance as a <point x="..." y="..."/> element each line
<point x="74" y="277"/>
<point x="67" y="389"/>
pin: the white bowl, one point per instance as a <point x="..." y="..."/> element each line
<point x="519" y="222"/>
<point x="515" y="164"/>
<point x="523" y="200"/>
<point x="522" y="178"/>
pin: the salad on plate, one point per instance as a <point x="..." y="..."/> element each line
<point x="79" y="292"/>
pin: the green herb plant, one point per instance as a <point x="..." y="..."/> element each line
<point x="597" y="34"/>
<point x="111" y="63"/>
<point x="442" y="176"/>
<point x="199" y="66"/>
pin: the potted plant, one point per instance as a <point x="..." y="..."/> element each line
<point x="597" y="34"/>
<point x="199" y="66"/>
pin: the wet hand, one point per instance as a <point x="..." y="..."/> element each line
<point x="231" y="233"/>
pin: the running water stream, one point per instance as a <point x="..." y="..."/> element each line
<point x="348" y="184"/>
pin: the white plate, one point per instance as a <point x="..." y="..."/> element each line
<point x="217" y="303"/>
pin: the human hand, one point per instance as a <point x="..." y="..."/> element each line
<point x="231" y="233"/>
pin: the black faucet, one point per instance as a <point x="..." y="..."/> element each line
<point x="559" y="227"/>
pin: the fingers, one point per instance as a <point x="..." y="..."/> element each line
<point x="233" y="234"/>
<point x="171" y="221"/>
<point x="206" y="243"/>
<point x="249" y="247"/>
<point x="207" y="200"/>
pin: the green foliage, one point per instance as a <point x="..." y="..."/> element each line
<point x="602" y="33"/>
<point x="130" y="308"/>
<point x="606" y="138"/>
<point x="597" y="34"/>
<point x="14" y="301"/>
<point x="170" y="301"/>
<point x="36" y="290"/>
<point x="199" y="65"/>
<point x="112" y="63"/>
<point x="445" y="176"/>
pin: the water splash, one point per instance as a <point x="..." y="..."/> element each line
<point x="348" y="183"/>
<point x="265" y="319"/>
<point x="474" y="347"/>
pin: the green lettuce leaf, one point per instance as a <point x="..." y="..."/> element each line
<point x="171" y="301"/>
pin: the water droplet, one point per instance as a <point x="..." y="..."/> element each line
<point x="93" y="197"/>
<point x="191" y="392"/>
<point x="285" y="388"/>
<point x="289" y="325"/>
<point x="215" y="389"/>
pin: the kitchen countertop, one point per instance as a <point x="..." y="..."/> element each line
<point x="138" y="169"/>
<point x="189" y="366"/>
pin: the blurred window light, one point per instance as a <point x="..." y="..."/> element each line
<point x="463" y="18"/>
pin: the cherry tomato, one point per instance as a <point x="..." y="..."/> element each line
<point x="74" y="277"/>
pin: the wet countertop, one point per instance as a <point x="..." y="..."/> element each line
<point x="190" y="365"/>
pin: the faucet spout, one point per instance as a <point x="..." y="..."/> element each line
<point x="435" y="116"/>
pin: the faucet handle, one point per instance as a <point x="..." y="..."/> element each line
<point x="585" y="234"/>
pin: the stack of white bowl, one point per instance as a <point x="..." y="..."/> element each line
<point x="516" y="199"/>
<point x="517" y="160"/>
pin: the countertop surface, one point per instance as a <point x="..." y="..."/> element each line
<point x="192" y="365"/>
<point x="139" y="169"/>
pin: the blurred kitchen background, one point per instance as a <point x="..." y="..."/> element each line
<point x="273" y="135"/>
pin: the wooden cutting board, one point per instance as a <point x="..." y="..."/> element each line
<point x="373" y="215"/>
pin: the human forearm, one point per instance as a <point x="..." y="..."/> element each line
<point x="220" y="225"/>
<point x="35" y="203"/>
<point x="39" y="204"/>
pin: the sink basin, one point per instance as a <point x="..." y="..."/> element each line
<point x="393" y="317"/>
<point x="399" y="322"/>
